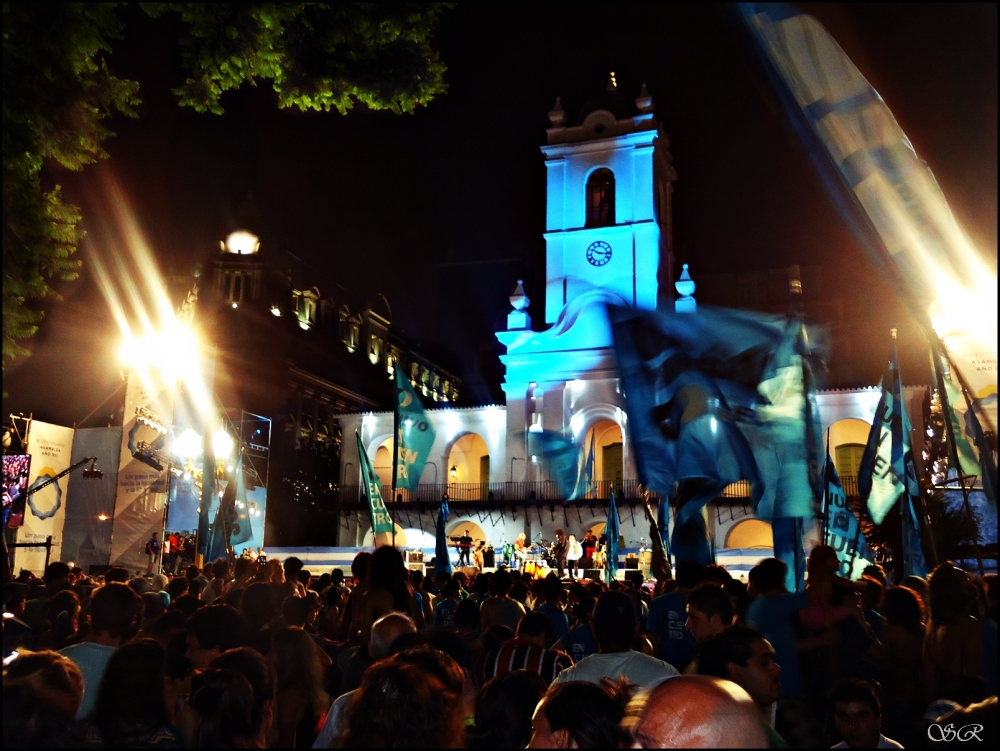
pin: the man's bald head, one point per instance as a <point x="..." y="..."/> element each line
<point x="386" y="630"/>
<point x="696" y="711"/>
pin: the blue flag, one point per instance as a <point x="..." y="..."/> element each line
<point x="843" y="531"/>
<point x="563" y="458"/>
<point x="612" y="530"/>
<point x="378" y="513"/>
<point x="588" y="468"/>
<point x="414" y="436"/>
<point x="716" y="397"/>
<point x="888" y="475"/>
<point x="209" y="497"/>
<point x="442" y="559"/>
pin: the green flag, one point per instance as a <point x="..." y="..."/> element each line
<point x="414" y="436"/>
<point x="381" y="521"/>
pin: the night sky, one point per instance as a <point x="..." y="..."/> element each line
<point x="435" y="209"/>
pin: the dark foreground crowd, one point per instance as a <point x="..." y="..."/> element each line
<point x="262" y="655"/>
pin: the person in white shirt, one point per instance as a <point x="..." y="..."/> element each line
<point x="615" y="625"/>
<point x="858" y="716"/>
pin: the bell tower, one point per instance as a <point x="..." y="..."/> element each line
<point x="608" y="213"/>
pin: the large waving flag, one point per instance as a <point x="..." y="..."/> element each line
<point x="612" y="530"/>
<point x="716" y="397"/>
<point x="843" y="531"/>
<point x="414" y="436"/>
<point x="563" y="458"/>
<point x="379" y="514"/>
<point x="442" y="559"/>
<point x="888" y="475"/>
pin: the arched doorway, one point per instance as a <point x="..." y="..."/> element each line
<point x="847" y="445"/>
<point x="383" y="464"/>
<point x="608" y="467"/>
<point x="751" y="533"/>
<point x="468" y="468"/>
<point x="459" y="528"/>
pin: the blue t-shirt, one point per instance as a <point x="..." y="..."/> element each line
<point x="558" y="619"/>
<point x="580" y="642"/>
<point x="444" y="612"/>
<point x="772" y="616"/>
<point x="666" y="619"/>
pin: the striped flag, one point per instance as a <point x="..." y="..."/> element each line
<point x="379" y="514"/>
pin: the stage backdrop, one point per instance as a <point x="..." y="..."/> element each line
<point x="51" y="448"/>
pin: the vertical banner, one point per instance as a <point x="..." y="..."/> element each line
<point x="142" y="488"/>
<point x="51" y="449"/>
<point x="87" y="536"/>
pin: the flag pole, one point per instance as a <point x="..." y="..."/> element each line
<point x="826" y="493"/>
<point x="953" y="452"/>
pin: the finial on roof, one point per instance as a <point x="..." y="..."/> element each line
<point x="685" y="288"/>
<point x="557" y="116"/>
<point x="612" y="83"/>
<point x="518" y="318"/>
<point x="644" y="101"/>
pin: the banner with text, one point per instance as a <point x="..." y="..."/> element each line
<point x="142" y="488"/>
<point x="51" y="449"/>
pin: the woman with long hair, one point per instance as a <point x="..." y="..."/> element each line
<point x="61" y="621"/>
<point x="131" y="709"/>
<point x="953" y="641"/>
<point x="301" y="703"/>
<point x="388" y="590"/>
<point x="903" y="642"/>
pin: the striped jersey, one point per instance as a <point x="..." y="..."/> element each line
<point x="518" y="654"/>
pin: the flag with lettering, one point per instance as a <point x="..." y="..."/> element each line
<point x="888" y="474"/>
<point x="843" y="530"/>
<point x="414" y="436"/>
<point x="380" y="519"/>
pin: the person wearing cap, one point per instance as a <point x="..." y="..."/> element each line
<point x="615" y="626"/>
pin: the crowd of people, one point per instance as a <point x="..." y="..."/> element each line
<point x="258" y="654"/>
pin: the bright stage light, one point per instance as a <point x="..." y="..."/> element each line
<point x="173" y="351"/>
<point x="188" y="445"/>
<point x="222" y="444"/>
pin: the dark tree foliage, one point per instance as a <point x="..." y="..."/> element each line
<point x="58" y="90"/>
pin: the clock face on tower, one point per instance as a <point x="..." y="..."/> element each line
<point x="599" y="253"/>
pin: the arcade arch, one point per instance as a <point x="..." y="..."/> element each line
<point x="383" y="462"/>
<point x="751" y="533"/>
<point x="467" y="468"/>
<point x="609" y="459"/>
<point x="847" y="443"/>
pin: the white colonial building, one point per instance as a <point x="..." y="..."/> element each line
<point x="608" y="239"/>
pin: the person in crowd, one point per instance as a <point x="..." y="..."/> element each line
<point x="385" y="631"/>
<point x="615" y="624"/>
<point x="292" y="586"/>
<point x="500" y="609"/>
<point x="467" y="615"/>
<point x="116" y="575"/>
<point x="696" y="711"/>
<point x="520" y="592"/>
<point x="32" y="718"/>
<point x="579" y="715"/>
<point x="953" y="643"/>
<point x="872" y="592"/>
<point x="444" y="611"/>
<point x="579" y="641"/>
<point x="131" y="710"/>
<point x="552" y="591"/>
<point x="301" y="701"/>
<point x="709" y="611"/>
<point x="772" y="612"/>
<point x="526" y="651"/>
<point x="260" y="675"/>
<point x="858" y="716"/>
<point x="114" y="614"/>
<point x="152" y="551"/>
<point x="211" y="631"/>
<point x="260" y="608"/>
<point x="504" y="708"/>
<point x="61" y="621"/>
<point x="742" y="655"/>
<point x="222" y="701"/>
<point x="52" y="676"/>
<point x="56" y="578"/>
<point x="902" y="642"/>
<point x="16" y="633"/>
<point x="739" y="597"/>
<point x="217" y="587"/>
<point x="480" y="589"/>
<point x="671" y="642"/>
<point x="177" y="587"/>
<point x="388" y="591"/>
<point x="411" y="699"/>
